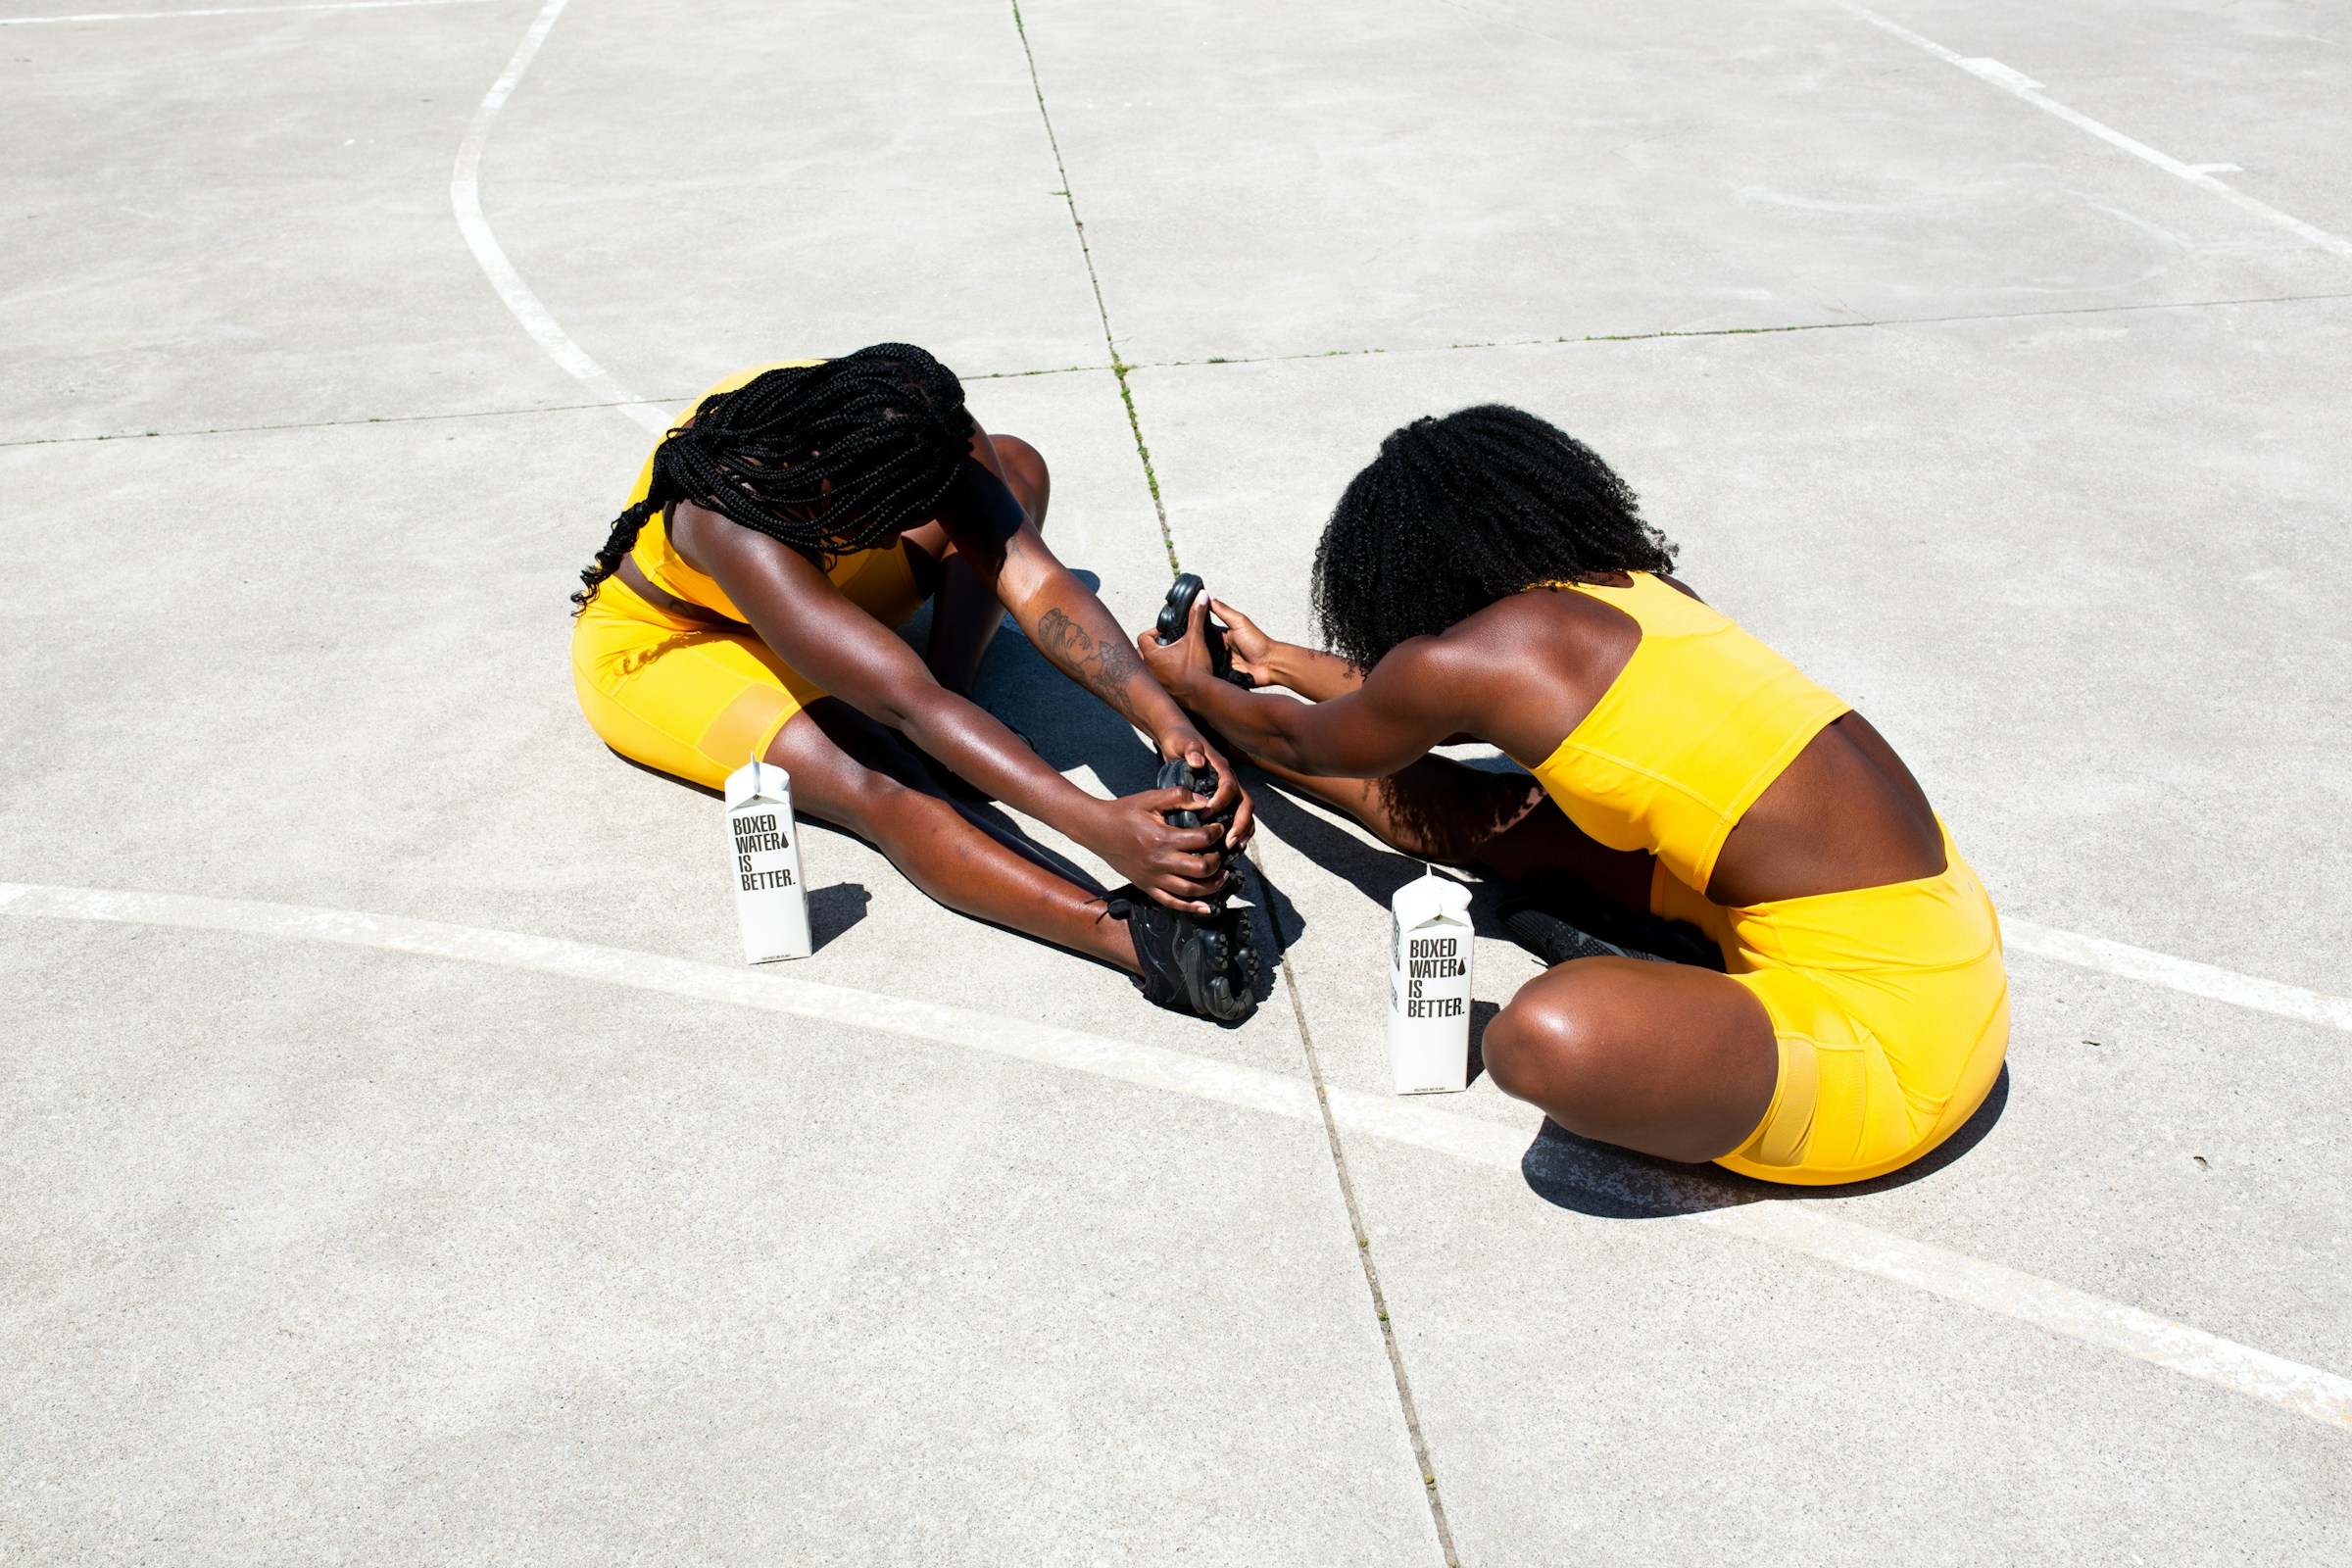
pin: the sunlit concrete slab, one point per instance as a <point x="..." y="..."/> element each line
<point x="1640" y="1390"/>
<point x="321" y="1255"/>
<point x="771" y="182"/>
<point x="1279" y="182"/>
<point x="2186" y="78"/>
<point x="230" y="221"/>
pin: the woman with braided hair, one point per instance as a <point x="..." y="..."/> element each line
<point x="745" y="605"/>
<point x="1841" y="1007"/>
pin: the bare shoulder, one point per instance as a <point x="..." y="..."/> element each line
<point x="1551" y="618"/>
<point x="705" y="537"/>
<point x="1534" y="663"/>
<point x="689" y="528"/>
<point x="724" y="550"/>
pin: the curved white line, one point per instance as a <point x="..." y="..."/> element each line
<point x="2020" y="85"/>
<point x="465" y="200"/>
<point x="1797" y="1226"/>
<point x="2179" y="974"/>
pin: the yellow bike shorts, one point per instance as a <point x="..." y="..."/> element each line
<point x="699" y="701"/>
<point x="1891" y="1009"/>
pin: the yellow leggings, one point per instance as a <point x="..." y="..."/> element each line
<point x="1891" y="1009"/>
<point x="699" y="701"/>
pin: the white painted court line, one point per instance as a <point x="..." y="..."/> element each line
<point x="232" y="11"/>
<point x="1793" y="1225"/>
<point x="2179" y="974"/>
<point x="2201" y="176"/>
<point x="465" y="200"/>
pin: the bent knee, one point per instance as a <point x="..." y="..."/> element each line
<point x="849" y="792"/>
<point x="1537" y="1048"/>
<point x="1026" y="471"/>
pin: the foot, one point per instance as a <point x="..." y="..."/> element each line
<point x="1190" y="964"/>
<point x="1562" y="921"/>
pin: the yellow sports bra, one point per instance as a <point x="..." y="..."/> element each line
<point x="660" y="562"/>
<point x="1699" y="722"/>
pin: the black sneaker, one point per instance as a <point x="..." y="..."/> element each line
<point x="1190" y="964"/>
<point x="1202" y="782"/>
<point x="1560" y="921"/>
<point x="1175" y="619"/>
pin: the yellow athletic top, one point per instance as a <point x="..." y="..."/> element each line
<point x="1699" y="722"/>
<point x="661" y="564"/>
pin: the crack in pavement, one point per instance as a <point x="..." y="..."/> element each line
<point x="1663" y="334"/>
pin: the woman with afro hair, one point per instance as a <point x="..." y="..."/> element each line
<point x="745" y="605"/>
<point x="1841" y="1007"/>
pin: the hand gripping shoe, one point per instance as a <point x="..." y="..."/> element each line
<point x="1200" y="782"/>
<point x="1191" y="964"/>
<point x="1175" y="617"/>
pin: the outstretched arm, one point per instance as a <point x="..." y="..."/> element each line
<point x="1409" y="702"/>
<point x="1067" y="623"/>
<point x="803" y="617"/>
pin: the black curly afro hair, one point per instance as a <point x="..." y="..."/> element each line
<point x="1460" y="512"/>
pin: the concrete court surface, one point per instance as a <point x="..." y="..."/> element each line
<point x="335" y="1226"/>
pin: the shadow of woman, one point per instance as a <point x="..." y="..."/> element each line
<point x="1612" y="1183"/>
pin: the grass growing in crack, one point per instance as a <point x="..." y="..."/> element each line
<point x="1119" y="370"/>
<point x="1118" y="367"/>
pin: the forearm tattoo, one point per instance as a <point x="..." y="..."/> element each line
<point x="1104" y="668"/>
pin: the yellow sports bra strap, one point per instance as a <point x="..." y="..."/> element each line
<point x="1657" y="606"/>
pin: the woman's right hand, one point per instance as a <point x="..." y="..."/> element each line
<point x="1181" y="867"/>
<point x="1253" y="650"/>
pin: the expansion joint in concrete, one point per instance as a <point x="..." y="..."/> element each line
<point x="1118" y="367"/>
<point x="1363" y="1252"/>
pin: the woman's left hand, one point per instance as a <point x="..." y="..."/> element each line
<point x="1184" y="740"/>
<point x="1181" y="668"/>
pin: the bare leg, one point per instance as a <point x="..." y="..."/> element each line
<point x="851" y="772"/>
<point x="1443" y="810"/>
<point x="1673" y="1062"/>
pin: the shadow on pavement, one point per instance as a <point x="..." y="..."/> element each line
<point x="1612" y="1183"/>
<point x="832" y="911"/>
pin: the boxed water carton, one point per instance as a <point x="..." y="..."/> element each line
<point x="769" y="898"/>
<point x="1428" y="986"/>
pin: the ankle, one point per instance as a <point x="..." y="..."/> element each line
<point x="1111" y="938"/>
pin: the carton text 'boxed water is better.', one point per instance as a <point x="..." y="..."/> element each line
<point x="1429" y="987"/>
<point x="769" y="898"/>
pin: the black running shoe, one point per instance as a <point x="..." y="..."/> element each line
<point x="1202" y="782"/>
<point x="1206" y="966"/>
<point x="1561" y="921"/>
<point x="1175" y="620"/>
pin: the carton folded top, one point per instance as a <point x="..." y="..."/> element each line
<point x="758" y="781"/>
<point x="1430" y="897"/>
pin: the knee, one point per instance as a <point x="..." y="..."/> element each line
<point x="1026" y="471"/>
<point x="850" y="793"/>
<point x="1538" y="1050"/>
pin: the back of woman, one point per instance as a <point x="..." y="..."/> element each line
<point x="1489" y="577"/>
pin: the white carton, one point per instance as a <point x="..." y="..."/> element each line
<point x="769" y="898"/>
<point x="1429" y="987"/>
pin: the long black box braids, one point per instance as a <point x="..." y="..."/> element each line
<point x="829" y="459"/>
